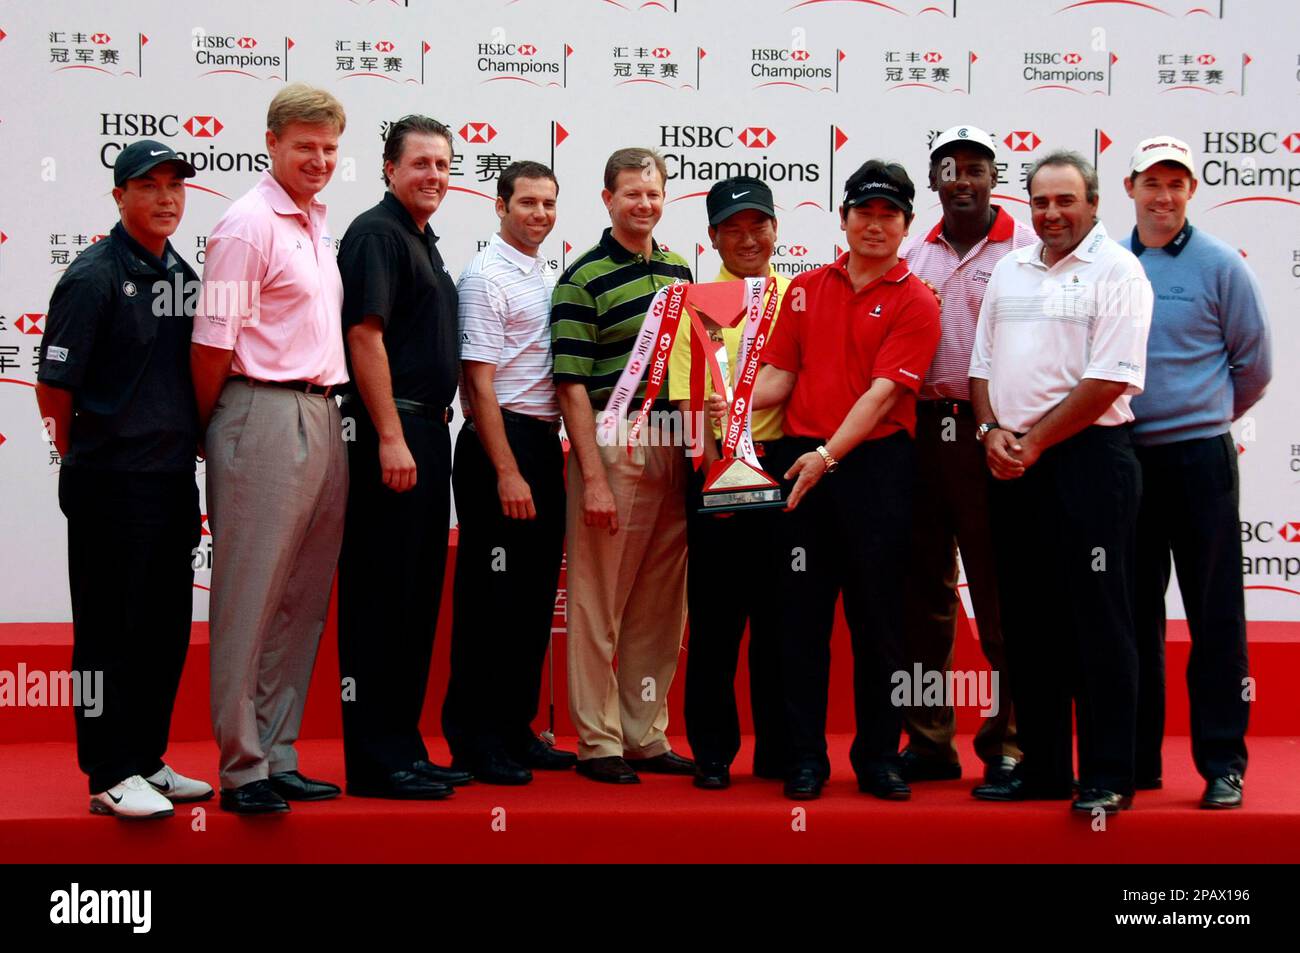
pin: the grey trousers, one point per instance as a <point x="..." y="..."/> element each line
<point x="277" y="479"/>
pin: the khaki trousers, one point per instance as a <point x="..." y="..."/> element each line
<point x="627" y="603"/>
<point x="277" y="485"/>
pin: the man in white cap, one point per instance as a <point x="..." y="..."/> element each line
<point x="956" y="257"/>
<point x="1208" y="362"/>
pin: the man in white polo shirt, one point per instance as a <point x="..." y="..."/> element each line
<point x="509" y="483"/>
<point x="950" y="500"/>
<point x="1059" y="351"/>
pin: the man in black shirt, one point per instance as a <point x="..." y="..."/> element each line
<point x="399" y="319"/>
<point x="114" y="389"/>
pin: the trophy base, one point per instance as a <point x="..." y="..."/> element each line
<point x="735" y="501"/>
<point x="733" y="485"/>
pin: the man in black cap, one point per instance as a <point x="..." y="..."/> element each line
<point x="114" y="389"/>
<point x="742" y="227"/>
<point x="851" y="348"/>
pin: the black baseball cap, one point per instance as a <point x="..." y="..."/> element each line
<point x="736" y="194"/>
<point x="139" y="157"/>
<point x="877" y="179"/>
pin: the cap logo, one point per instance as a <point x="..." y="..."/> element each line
<point x="736" y="195"/>
<point x="962" y="133"/>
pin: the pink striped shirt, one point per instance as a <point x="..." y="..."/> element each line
<point x="272" y="291"/>
<point x="961" y="283"/>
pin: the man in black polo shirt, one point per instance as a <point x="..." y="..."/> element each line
<point x="399" y="317"/>
<point x="114" y="389"/>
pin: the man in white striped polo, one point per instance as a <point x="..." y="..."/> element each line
<point x="508" y="478"/>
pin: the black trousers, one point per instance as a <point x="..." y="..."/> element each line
<point x="507" y="571"/>
<point x="729" y="581"/>
<point x="131" y="542"/>
<point x="1189" y="508"/>
<point x="1065" y="536"/>
<point x="391" y="570"/>
<point x="848" y="536"/>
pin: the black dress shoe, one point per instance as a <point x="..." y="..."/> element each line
<point x="913" y="767"/>
<point x="402" y="786"/>
<point x="496" y="768"/>
<point x="666" y="763"/>
<point x="294" y="786"/>
<point x="1109" y="801"/>
<point x="1016" y="788"/>
<point x="255" y="797"/>
<point x="885" y="783"/>
<point x="804" y="785"/>
<point x="1223" y="792"/>
<point x="453" y="776"/>
<point x="542" y="757"/>
<point x="611" y="770"/>
<point x="712" y="777"/>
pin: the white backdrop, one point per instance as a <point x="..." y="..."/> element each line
<point x="799" y="92"/>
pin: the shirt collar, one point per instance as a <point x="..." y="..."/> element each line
<point x="279" y="199"/>
<point x="399" y="211"/>
<point x="1085" y="251"/>
<point x="894" y="276"/>
<point x="138" y="258"/>
<point x="611" y="246"/>
<point x="725" y="275"/>
<point x="1003" y="227"/>
<point x="1174" y="247"/>
<point x="525" y="263"/>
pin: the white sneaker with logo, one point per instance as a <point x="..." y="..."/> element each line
<point x="133" y="798"/>
<point x="177" y="787"/>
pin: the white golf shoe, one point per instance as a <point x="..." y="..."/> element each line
<point x="133" y="798"/>
<point x="178" y="788"/>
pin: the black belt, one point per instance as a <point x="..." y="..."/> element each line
<point x="302" y="387"/>
<point x="433" y="412"/>
<point x="946" y="405"/>
<point x="533" y="423"/>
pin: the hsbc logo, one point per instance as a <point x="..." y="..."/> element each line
<point x="1292" y="142"/>
<point x="527" y="49"/>
<point x="479" y="132"/>
<point x="203" y="127"/>
<point x="1072" y="58"/>
<point x="756" y="137"/>
<point x="384" y="46"/>
<point x="1022" y="141"/>
<point x="99" y="39"/>
<point x="933" y="57"/>
<point x="246" y="43"/>
<point x="30" y="323"/>
<point x="800" y="55"/>
<point x="1206" y="59"/>
<point x="791" y="251"/>
<point x="661" y="52"/>
<point x="1290" y="532"/>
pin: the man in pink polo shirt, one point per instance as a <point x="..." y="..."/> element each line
<point x="951" y="494"/>
<point x="267" y="351"/>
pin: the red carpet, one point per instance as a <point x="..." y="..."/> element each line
<point x="562" y="817"/>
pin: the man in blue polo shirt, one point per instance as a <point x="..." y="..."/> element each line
<point x="1208" y="362"/>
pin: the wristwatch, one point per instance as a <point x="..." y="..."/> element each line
<point x="983" y="430"/>
<point x="831" y="463"/>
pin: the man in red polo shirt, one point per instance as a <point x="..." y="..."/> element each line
<point x="852" y="343"/>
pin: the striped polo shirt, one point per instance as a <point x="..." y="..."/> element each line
<point x="504" y="310"/>
<point x="597" y="310"/>
<point x="961" y="282"/>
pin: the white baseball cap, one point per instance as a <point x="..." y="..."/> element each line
<point x="966" y="136"/>
<point x="1162" y="149"/>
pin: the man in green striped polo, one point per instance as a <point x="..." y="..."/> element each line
<point x="626" y="511"/>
